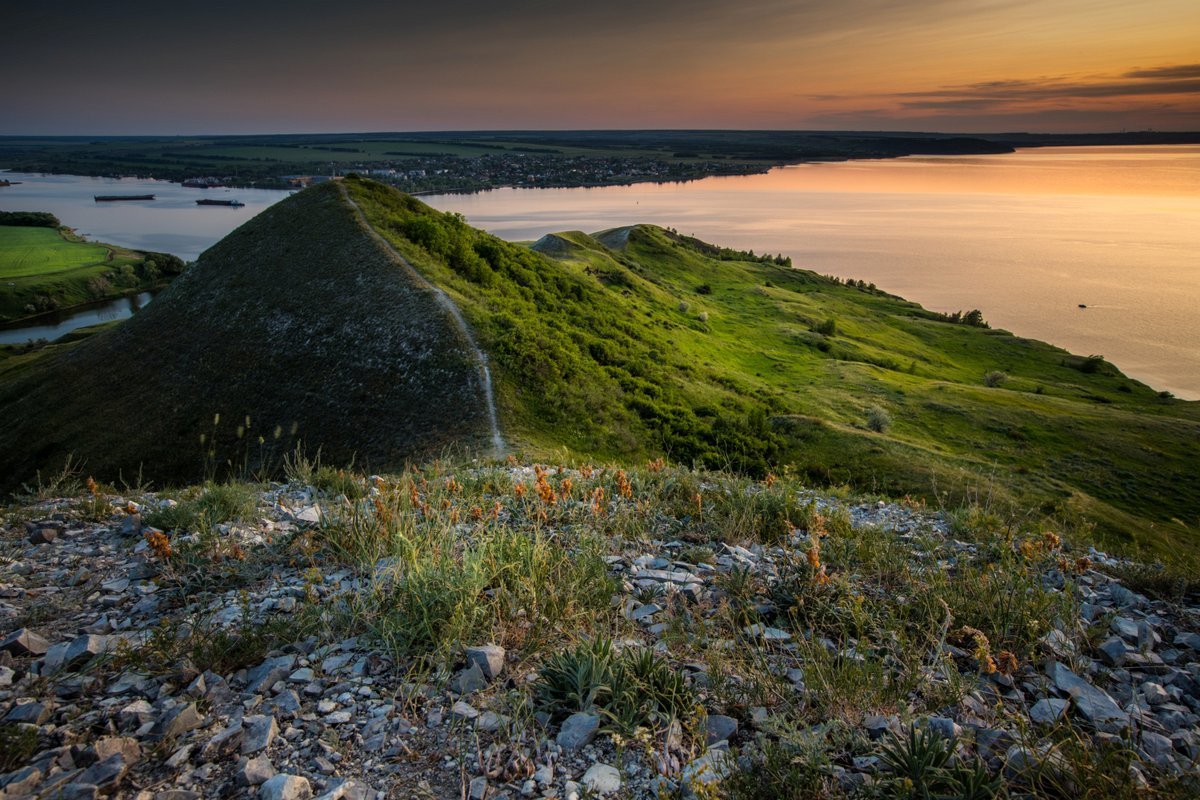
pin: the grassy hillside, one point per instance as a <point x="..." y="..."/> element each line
<point x="47" y="268"/>
<point x="639" y="342"/>
<point x="630" y="344"/>
<point x="296" y="329"/>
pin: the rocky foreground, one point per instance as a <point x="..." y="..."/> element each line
<point x="130" y="667"/>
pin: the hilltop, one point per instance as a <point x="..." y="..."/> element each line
<point x="624" y="345"/>
<point x="296" y="328"/>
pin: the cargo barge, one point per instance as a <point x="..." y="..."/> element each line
<point x="112" y="198"/>
<point x="230" y="203"/>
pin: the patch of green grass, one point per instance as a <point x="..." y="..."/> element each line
<point x="18" y="743"/>
<point x="47" y="269"/>
<point x="335" y="481"/>
<point x="199" y="508"/>
<point x="29" y="252"/>
<point x="512" y="582"/>
<point x="206" y="646"/>
<point x="779" y="772"/>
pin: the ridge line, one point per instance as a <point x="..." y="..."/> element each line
<point x="450" y="307"/>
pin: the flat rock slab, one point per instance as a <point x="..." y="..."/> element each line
<point x="719" y="728"/>
<point x="1096" y="705"/>
<point x="255" y="771"/>
<point x="578" y="730"/>
<point x="24" y="642"/>
<point x="285" y="787"/>
<point x="260" y="731"/>
<point x="1049" y="710"/>
<point x="668" y="576"/>
<point x="602" y="779"/>
<point x="267" y="673"/>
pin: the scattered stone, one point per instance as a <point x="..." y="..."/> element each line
<point x="602" y="779"/>
<point x="29" y="712"/>
<point x="489" y="658"/>
<point x="285" y="787"/>
<point x="719" y="728"/>
<point x="255" y="771"/>
<point x="24" y="642"/>
<point x="1113" y="650"/>
<point x="343" y="789"/>
<point x="767" y="634"/>
<point x="1154" y="693"/>
<point x="22" y="782"/>
<point x="43" y="536"/>
<point x="1094" y="704"/>
<point x="180" y="757"/>
<point x="710" y="768"/>
<point x="462" y="710"/>
<point x="490" y="721"/>
<point x="261" y="730"/>
<point x="1048" y="710"/>
<point x="943" y="727"/>
<point x="124" y="746"/>
<point x="178" y="721"/>
<point x="105" y="775"/>
<point x="578" y="730"/>
<point x="268" y="673"/>
<point x="469" y="680"/>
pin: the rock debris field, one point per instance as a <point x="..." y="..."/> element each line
<point x="239" y="659"/>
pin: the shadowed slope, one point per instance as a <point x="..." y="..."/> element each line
<point x="298" y="321"/>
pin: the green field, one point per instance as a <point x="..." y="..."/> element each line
<point x="45" y="269"/>
<point x="41" y="252"/>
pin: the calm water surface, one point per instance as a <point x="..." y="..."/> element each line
<point x="171" y="223"/>
<point x="1025" y="237"/>
<point x="58" y="323"/>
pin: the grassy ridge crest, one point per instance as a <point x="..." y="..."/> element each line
<point x="638" y="342"/>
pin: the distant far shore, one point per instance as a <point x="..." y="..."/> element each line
<point x="456" y="161"/>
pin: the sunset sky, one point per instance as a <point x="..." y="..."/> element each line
<point x="262" y="66"/>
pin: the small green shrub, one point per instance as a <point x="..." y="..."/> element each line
<point x="17" y="745"/>
<point x="632" y="689"/>
<point x="214" y="504"/>
<point x="995" y="378"/>
<point x="878" y="419"/>
<point x="338" y="482"/>
<point x="577" y="679"/>
<point x="207" y="646"/>
<point x="826" y="327"/>
<point x="921" y="766"/>
<point x="780" y="773"/>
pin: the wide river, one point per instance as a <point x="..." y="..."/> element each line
<point x="1025" y="237"/>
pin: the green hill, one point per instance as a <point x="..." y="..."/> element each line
<point x="630" y="344"/>
<point x="296" y="329"/>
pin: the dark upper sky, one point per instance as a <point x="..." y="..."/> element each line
<point x="238" y="66"/>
